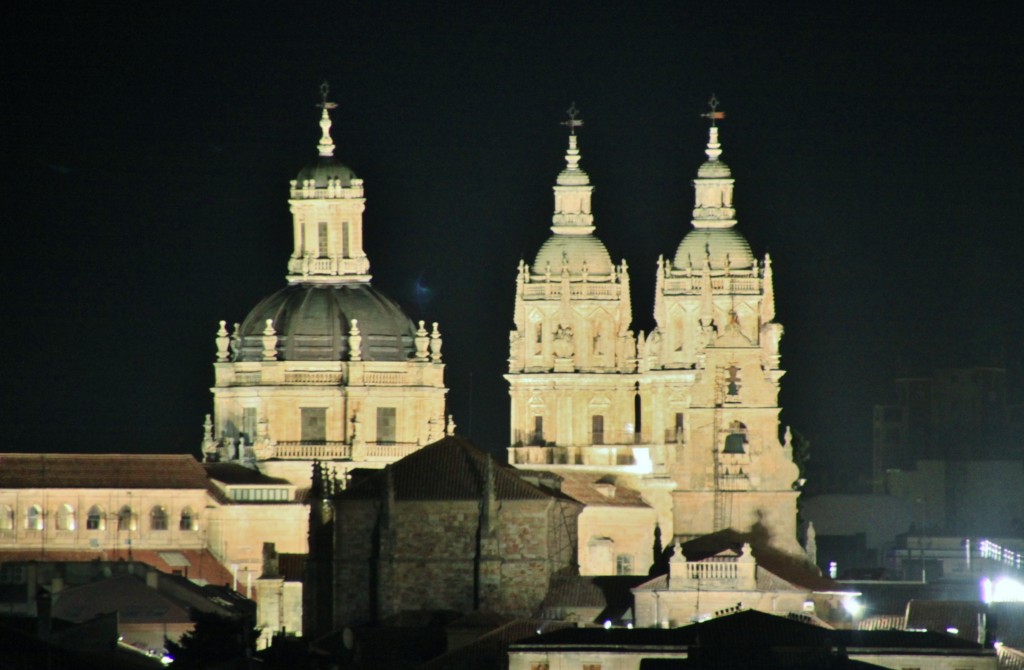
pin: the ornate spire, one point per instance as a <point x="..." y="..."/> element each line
<point x="326" y="146"/>
<point x="713" y="185"/>
<point x="714" y="149"/>
<point x="572" y="189"/>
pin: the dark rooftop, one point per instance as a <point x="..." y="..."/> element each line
<point x="449" y="469"/>
<point x="100" y="471"/>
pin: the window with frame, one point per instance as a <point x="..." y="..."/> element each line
<point x="597" y="429"/>
<point x="125" y="519"/>
<point x="344" y="239"/>
<point x="187" y="520"/>
<point x="537" y="438"/>
<point x="624" y="564"/>
<point x="386" y="425"/>
<point x="158" y="518"/>
<point x="34" y="518"/>
<point x="6" y="517"/>
<point x="314" y="424"/>
<point x="65" y="517"/>
<point x="322" y="239"/>
<point x="94" y="519"/>
<point x="249" y="424"/>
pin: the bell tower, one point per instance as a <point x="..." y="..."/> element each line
<point x="572" y="356"/>
<point x="710" y="372"/>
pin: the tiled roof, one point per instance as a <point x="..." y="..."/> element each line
<point x="586" y="487"/>
<point x="128" y="595"/>
<point x="202" y="566"/>
<point x="939" y="616"/>
<point x="611" y="596"/>
<point x="236" y="473"/>
<point x="449" y="469"/>
<point x="100" y="471"/>
<point x="291" y="566"/>
<point x="792" y="569"/>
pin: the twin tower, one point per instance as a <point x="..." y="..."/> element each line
<point x="328" y="368"/>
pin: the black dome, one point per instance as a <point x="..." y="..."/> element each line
<point x="324" y="168"/>
<point x="312" y="322"/>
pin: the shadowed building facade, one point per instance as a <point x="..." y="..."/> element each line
<point x="447" y="527"/>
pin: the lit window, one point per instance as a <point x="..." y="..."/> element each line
<point x="158" y="518"/>
<point x="6" y="517"/>
<point x="65" y="517"/>
<point x="34" y="518"/>
<point x="95" y="520"/>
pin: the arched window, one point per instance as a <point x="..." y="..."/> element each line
<point x="188" y="519"/>
<point x="124" y="519"/>
<point x="95" y="519"/>
<point x="158" y="518"/>
<point x="6" y="517"/>
<point x="65" y="517"/>
<point x="34" y="518"/>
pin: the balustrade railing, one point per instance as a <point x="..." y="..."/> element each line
<point x="310" y="450"/>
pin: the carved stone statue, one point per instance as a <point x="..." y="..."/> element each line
<point x="563" y="341"/>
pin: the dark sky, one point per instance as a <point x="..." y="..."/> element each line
<point x="878" y="156"/>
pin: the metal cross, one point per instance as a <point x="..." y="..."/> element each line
<point x="573" y="122"/>
<point x="324" y="90"/>
<point x="714" y="114"/>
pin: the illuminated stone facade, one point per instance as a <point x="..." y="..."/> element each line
<point x="687" y="414"/>
<point x="327" y="368"/>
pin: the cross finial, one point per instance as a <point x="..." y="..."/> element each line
<point x="325" y="88"/>
<point x="573" y="122"/>
<point x="326" y="145"/>
<point x="714" y="114"/>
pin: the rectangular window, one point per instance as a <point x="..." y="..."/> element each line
<point x="624" y="564"/>
<point x="538" y="431"/>
<point x="314" y="424"/>
<point x="597" y="429"/>
<point x="322" y="241"/>
<point x="344" y="239"/>
<point x="249" y="424"/>
<point x="386" y="425"/>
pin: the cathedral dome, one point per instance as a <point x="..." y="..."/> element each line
<point x="312" y="323"/>
<point x="326" y="168"/>
<point x="575" y="249"/>
<point x="717" y="242"/>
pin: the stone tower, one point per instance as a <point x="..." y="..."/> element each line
<point x="327" y="368"/>
<point x="688" y="414"/>
<point x="709" y="374"/>
<point x="572" y="356"/>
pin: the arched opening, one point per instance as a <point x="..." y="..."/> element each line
<point x="125" y="520"/>
<point x="95" y="520"/>
<point x="6" y="517"/>
<point x="188" y="520"/>
<point x="34" y="518"/>
<point x="158" y="518"/>
<point x="65" y="517"/>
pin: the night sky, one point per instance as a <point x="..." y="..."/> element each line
<point x="878" y="156"/>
